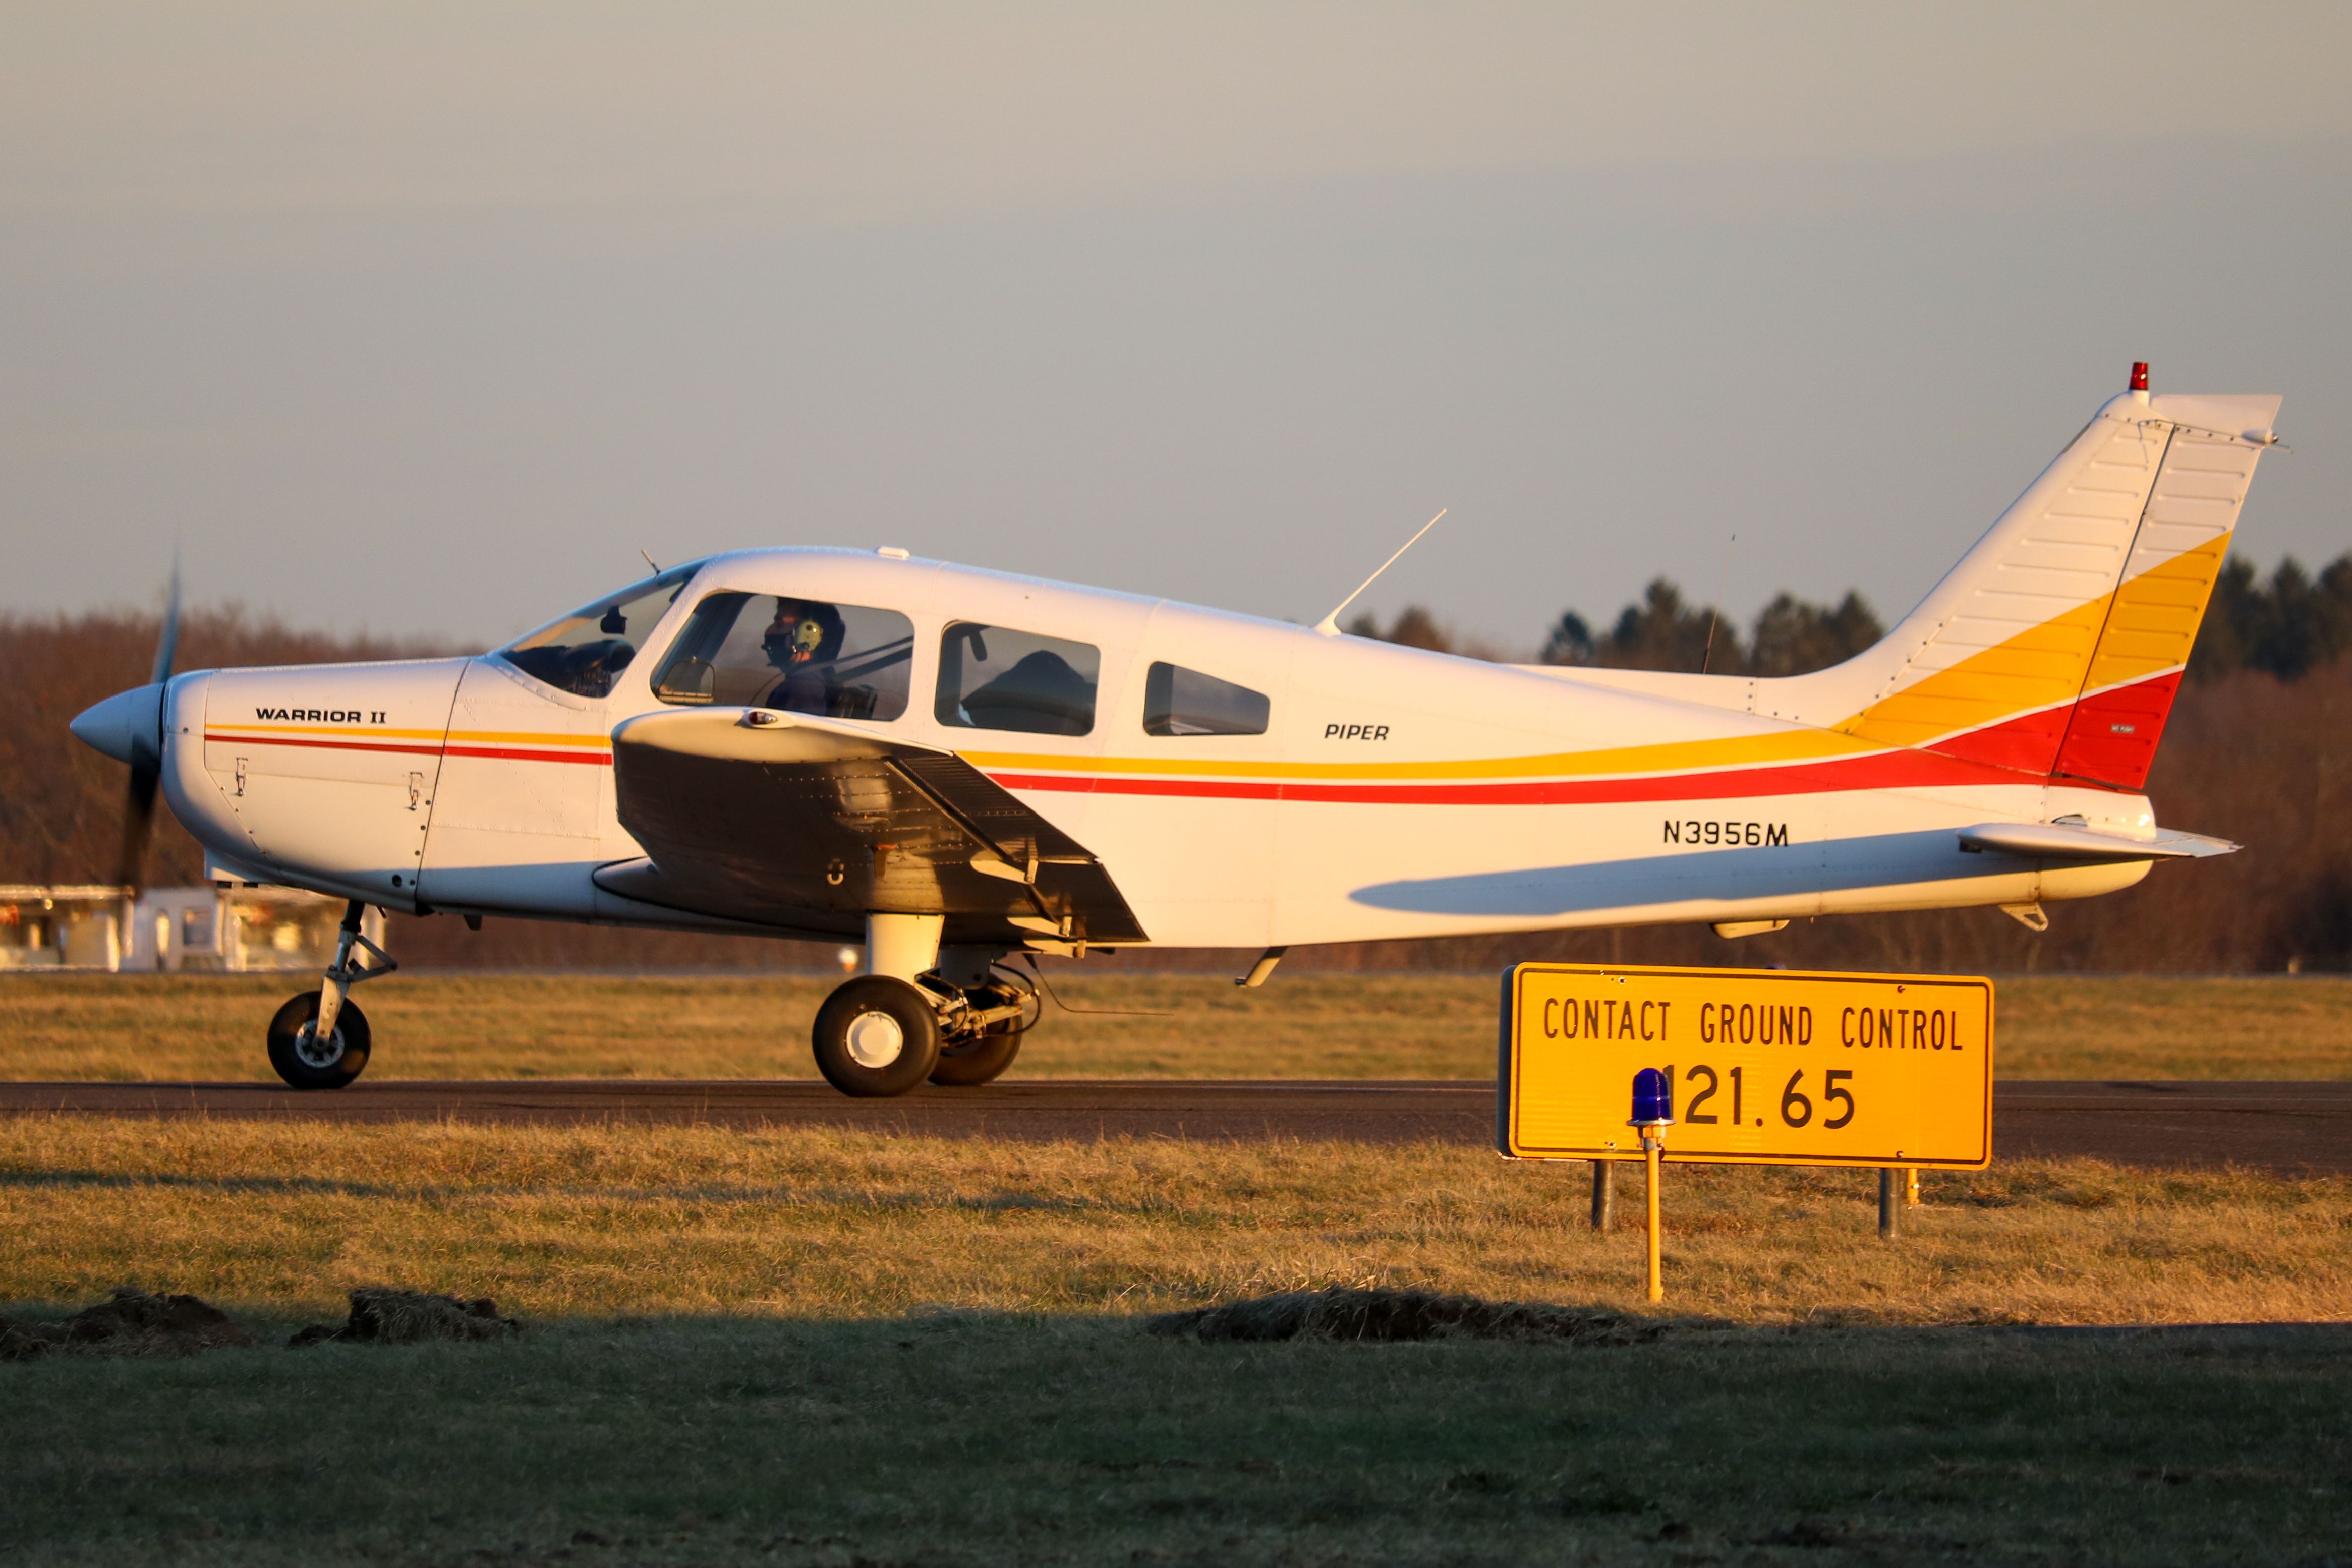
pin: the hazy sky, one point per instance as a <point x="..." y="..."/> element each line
<point x="430" y="318"/>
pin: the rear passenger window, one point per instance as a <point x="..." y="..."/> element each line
<point x="992" y="677"/>
<point x="1178" y="701"/>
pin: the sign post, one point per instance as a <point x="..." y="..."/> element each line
<point x="1654" y="1113"/>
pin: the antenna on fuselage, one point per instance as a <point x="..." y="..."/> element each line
<point x="1715" y="611"/>
<point x="1330" y="625"/>
<point x="650" y="560"/>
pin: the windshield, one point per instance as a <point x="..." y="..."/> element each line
<point x="586" y="650"/>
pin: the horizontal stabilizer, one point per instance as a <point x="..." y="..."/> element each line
<point x="2065" y="841"/>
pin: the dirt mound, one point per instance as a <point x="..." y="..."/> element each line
<point x="131" y="1322"/>
<point x="1390" y="1316"/>
<point x="381" y="1316"/>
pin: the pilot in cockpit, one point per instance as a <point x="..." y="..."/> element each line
<point x="801" y="643"/>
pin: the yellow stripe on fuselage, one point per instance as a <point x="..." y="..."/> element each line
<point x="377" y="732"/>
<point x="527" y="737"/>
<point x="2145" y="626"/>
<point x="1669" y="756"/>
<point x="2035" y="669"/>
<point x="369" y="731"/>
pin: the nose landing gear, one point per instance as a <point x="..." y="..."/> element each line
<point x="318" y="1040"/>
<point x="306" y="1061"/>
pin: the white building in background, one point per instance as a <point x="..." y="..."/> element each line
<point x="60" y="927"/>
<point x="228" y="925"/>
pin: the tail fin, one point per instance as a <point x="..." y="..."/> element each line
<point x="2056" y="645"/>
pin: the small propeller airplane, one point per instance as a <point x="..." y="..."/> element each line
<point x="956" y="766"/>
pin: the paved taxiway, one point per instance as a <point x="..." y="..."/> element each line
<point x="2301" y="1128"/>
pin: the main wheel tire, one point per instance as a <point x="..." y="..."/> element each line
<point x="305" y="1063"/>
<point x="876" y="1037"/>
<point x="975" y="1062"/>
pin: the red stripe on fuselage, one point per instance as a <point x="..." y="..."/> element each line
<point x="412" y="748"/>
<point x="1886" y="771"/>
<point x="514" y="754"/>
<point x="2108" y="737"/>
<point x="1883" y="770"/>
<point x="2028" y="742"/>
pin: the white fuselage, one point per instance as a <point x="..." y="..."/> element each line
<point x="1395" y="793"/>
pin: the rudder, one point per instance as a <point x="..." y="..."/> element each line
<point x="2152" y="618"/>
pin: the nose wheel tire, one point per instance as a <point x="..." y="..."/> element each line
<point x="876" y="1037"/>
<point x="306" y="1061"/>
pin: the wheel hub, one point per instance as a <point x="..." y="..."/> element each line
<point x="875" y="1039"/>
<point x="306" y="1046"/>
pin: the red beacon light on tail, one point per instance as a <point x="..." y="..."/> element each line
<point x="2139" y="376"/>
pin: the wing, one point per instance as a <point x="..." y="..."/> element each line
<point x="793" y="821"/>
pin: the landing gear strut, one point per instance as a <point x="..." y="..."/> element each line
<point x="318" y="1040"/>
<point x="983" y="1026"/>
<point x="919" y="1011"/>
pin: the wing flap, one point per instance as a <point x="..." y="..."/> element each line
<point x="789" y="820"/>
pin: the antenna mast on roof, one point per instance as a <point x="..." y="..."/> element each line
<point x="1330" y="625"/>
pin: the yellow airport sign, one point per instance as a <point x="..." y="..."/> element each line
<point x="1769" y="1066"/>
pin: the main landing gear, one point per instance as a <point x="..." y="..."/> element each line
<point x="920" y="1012"/>
<point x="318" y="1040"/>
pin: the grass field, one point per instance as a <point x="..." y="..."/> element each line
<point x="832" y="1348"/>
<point x="570" y="1221"/>
<point x="974" y="1439"/>
<point x="822" y="1347"/>
<point x="1299" y="1025"/>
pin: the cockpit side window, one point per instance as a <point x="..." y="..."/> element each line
<point x="802" y="655"/>
<point x="992" y="677"/>
<point x="1178" y="701"/>
<point x="586" y="650"/>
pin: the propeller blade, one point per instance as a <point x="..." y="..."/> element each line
<point x="167" y="645"/>
<point x="139" y="805"/>
<point x="138" y="827"/>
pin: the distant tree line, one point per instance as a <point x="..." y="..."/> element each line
<point x="1662" y="632"/>
<point x="2292" y="624"/>
<point x="2284" y="627"/>
<point x="1665" y="632"/>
